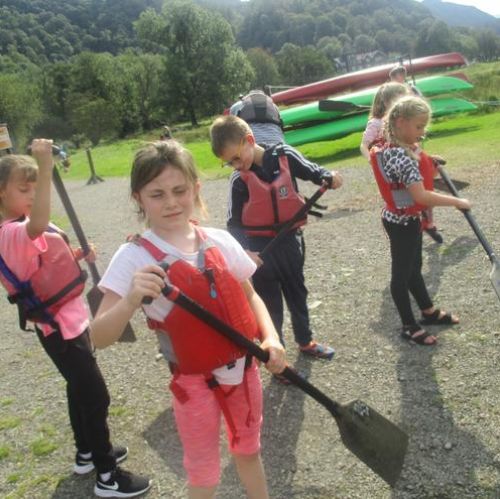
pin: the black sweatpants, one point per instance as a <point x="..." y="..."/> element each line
<point x="406" y="269"/>
<point x="283" y="272"/>
<point x="88" y="397"/>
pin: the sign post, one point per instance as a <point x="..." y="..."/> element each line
<point x="5" y="142"/>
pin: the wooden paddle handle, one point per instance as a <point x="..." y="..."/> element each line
<point x="468" y="215"/>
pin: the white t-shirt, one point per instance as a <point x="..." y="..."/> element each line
<point x="130" y="258"/>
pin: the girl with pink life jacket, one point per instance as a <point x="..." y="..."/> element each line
<point x="41" y="274"/>
<point x="212" y="378"/>
<point x="386" y="95"/>
<point x="404" y="176"/>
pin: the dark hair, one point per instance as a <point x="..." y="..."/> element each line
<point x="152" y="159"/>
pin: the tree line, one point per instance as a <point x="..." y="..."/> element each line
<point x="104" y="68"/>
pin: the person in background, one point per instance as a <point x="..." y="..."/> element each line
<point x="263" y="116"/>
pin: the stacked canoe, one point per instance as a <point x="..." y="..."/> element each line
<point x="334" y="117"/>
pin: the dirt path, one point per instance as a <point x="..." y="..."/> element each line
<point x="446" y="398"/>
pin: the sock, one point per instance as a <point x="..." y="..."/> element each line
<point x="85" y="455"/>
<point x="105" y="476"/>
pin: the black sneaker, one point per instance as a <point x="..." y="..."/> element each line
<point x="121" y="483"/>
<point x="85" y="465"/>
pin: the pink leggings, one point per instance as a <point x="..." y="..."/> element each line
<point x="198" y="423"/>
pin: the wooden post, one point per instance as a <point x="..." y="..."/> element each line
<point x="94" y="178"/>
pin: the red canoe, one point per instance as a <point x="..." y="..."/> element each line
<point x="364" y="78"/>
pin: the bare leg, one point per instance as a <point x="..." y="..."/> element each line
<point x="252" y="476"/>
<point x="201" y="492"/>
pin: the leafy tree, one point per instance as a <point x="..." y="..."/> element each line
<point x="20" y="105"/>
<point x="265" y="67"/>
<point x="205" y="69"/>
<point x="300" y="65"/>
<point x="95" y="118"/>
<point x="488" y="44"/>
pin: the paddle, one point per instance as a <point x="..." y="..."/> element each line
<point x="94" y="296"/>
<point x="300" y="214"/>
<point x="341" y="106"/>
<point x="375" y="440"/>
<point x="495" y="269"/>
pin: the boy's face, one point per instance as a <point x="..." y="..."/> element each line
<point x="239" y="156"/>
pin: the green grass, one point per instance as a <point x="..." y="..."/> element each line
<point x="42" y="446"/>
<point x="4" y="451"/>
<point x="462" y="138"/>
<point x="9" y="422"/>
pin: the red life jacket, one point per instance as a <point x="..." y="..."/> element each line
<point x="395" y="194"/>
<point x="57" y="280"/>
<point x="198" y="348"/>
<point x="271" y="205"/>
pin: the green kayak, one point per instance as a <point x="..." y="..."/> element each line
<point x="357" y="122"/>
<point x="432" y="85"/>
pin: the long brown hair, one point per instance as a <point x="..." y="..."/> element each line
<point x="385" y="97"/>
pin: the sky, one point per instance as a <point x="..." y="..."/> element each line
<point x="489" y="6"/>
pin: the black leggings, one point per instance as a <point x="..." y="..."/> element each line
<point x="406" y="269"/>
<point x="88" y="397"/>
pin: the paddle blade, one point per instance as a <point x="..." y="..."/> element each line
<point x="336" y="105"/>
<point x="375" y="440"/>
<point x="94" y="297"/>
<point x="495" y="277"/>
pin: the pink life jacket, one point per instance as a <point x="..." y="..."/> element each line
<point x="271" y="205"/>
<point x="395" y="194"/>
<point x="57" y="280"/>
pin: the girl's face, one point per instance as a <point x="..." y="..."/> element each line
<point x="168" y="201"/>
<point x="411" y="130"/>
<point x="17" y="196"/>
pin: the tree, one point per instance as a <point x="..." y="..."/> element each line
<point x="300" y="65"/>
<point x="20" y="105"/>
<point x="488" y="44"/>
<point x="265" y="67"/>
<point x="205" y="69"/>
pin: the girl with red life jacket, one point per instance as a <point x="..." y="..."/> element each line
<point x="211" y="376"/>
<point x="386" y="95"/>
<point x="42" y="276"/>
<point x="404" y="176"/>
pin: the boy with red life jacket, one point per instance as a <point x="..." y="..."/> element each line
<point x="263" y="197"/>
<point x="42" y="276"/>
<point x="404" y="175"/>
<point x="212" y="377"/>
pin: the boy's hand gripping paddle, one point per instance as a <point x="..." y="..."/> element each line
<point x="299" y="215"/>
<point x="373" y="439"/>
<point x="495" y="269"/>
<point x="94" y="296"/>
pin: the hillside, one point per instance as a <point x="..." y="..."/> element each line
<point x="461" y="15"/>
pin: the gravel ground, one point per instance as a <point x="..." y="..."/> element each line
<point x="446" y="398"/>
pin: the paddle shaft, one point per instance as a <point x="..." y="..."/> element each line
<point x="341" y="106"/>
<point x="178" y="297"/>
<point x="75" y="223"/>
<point x="286" y="228"/>
<point x="468" y="215"/>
